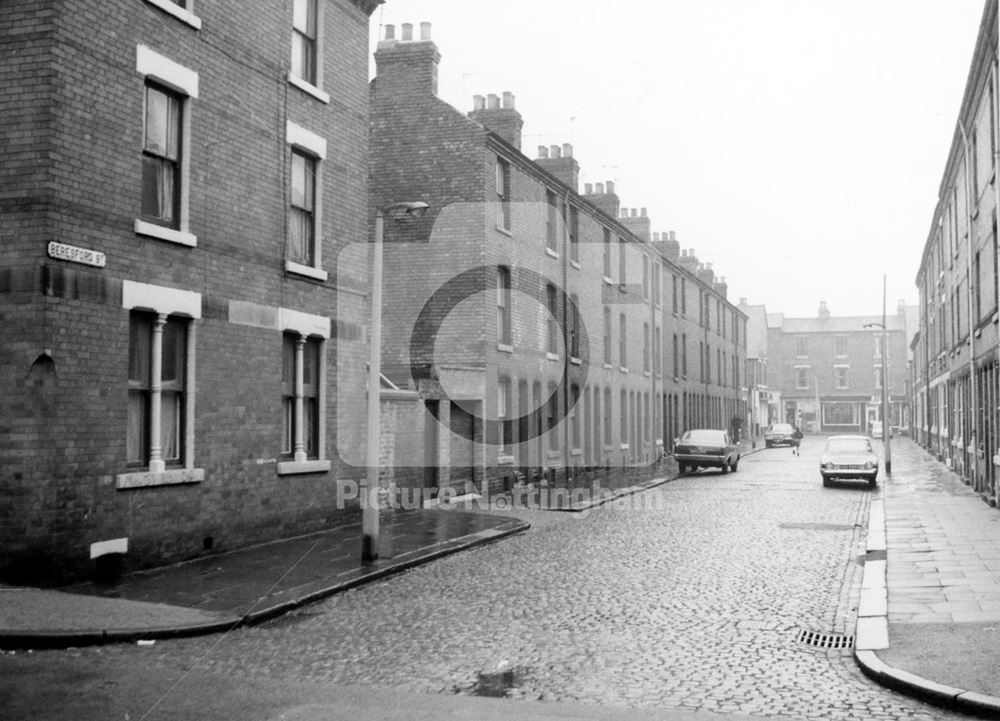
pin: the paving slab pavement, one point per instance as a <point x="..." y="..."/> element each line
<point x="929" y="619"/>
<point x="246" y="586"/>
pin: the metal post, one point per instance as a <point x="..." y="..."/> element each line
<point x="886" y="434"/>
<point x="369" y="494"/>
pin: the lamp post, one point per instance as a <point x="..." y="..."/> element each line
<point x="369" y="495"/>
<point x="886" y="434"/>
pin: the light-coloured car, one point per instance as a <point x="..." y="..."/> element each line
<point x="848" y="457"/>
<point x="876" y="429"/>
<point x="779" y="434"/>
<point x="706" y="448"/>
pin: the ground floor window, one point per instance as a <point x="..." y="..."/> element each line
<point x="840" y="414"/>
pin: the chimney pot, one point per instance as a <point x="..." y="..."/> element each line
<point x="642" y="212"/>
<point x="390" y="32"/>
<point x="656" y="237"/>
<point x="567" y="150"/>
<point x="673" y="235"/>
<point x="554" y="151"/>
<point x="635" y="212"/>
<point x="743" y="301"/>
<point x="492" y="102"/>
<point x="425" y="31"/>
<point x="610" y="186"/>
<point x="407" y="31"/>
<point x="478" y="102"/>
<point x="588" y="189"/>
<point x="599" y="188"/>
<point x="543" y="152"/>
<point x="508" y="100"/>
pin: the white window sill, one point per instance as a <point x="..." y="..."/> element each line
<point x="505" y="348"/>
<point x="646" y="373"/>
<point x="178" y="12"/>
<point x="575" y="264"/>
<point x="623" y="369"/>
<point x="291" y="468"/>
<point x="575" y="361"/>
<point x="504" y="231"/>
<point x="553" y="454"/>
<point x="551" y="253"/>
<point x="306" y="270"/>
<point x="552" y="356"/>
<point x="576" y="452"/>
<point x="308" y="88"/>
<point x="623" y="447"/>
<point x="170" y="477"/>
<point x="168" y="234"/>
<point x="607" y="280"/>
<point x="503" y="460"/>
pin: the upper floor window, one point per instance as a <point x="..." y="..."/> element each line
<point x="622" y="341"/>
<point x="503" y="194"/>
<point x="161" y="155"/>
<point x="840" y="377"/>
<point x="551" y="334"/>
<point x="305" y="241"/>
<point x="840" y="346"/>
<point x="684" y="305"/>
<point x="645" y="347"/>
<point x="504" y="426"/>
<point x="301" y="225"/>
<point x="503" y="305"/>
<point x="164" y="191"/>
<point x="607" y="335"/>
<point x="674" y="291"/>
<point x="574" y="234"/>
<point x="607" y="253"/>
<point x="551" y="221"/>
<point x="574" y="327"/>
<point x="304" y="40"/>
<point x="645" y="277"/>
<point x="801" y="346"/>
<point x="181" y="9"/>
<point x="621" y="262"/>
<point x="802" y="377"/>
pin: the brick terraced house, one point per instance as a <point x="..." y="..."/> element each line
<point x="537" y="331"/>
<point x="176" y="178"/>
<point x="956" y="368"/>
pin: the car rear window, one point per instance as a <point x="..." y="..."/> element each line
<point x="781" y="428"/>
<point x="703" y="437"/>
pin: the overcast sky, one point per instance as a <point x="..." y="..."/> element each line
<point x="797" y="145"/>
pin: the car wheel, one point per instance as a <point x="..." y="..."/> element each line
<point x="683" y="468"/>
<point x="724" y="468"/>
<point x="871" y="483"/>
<point x="767" y="444"/>
<point x="826" y="482"/>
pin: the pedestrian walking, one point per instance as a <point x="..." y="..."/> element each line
<point x="796" y="440"/>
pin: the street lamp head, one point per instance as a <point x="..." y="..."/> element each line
<point x="873" y="325"/>
<point x="413" y="209"/>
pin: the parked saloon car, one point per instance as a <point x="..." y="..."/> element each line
<point x="848" y="457"/>
<point x="779" y="434"/>
<point x="706" y="448"/>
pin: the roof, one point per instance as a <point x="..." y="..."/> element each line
<point x="844" y="324"/>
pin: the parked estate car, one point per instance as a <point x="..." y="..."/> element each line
<point x="849" y="457"/>
<point x="779" y="434"/>
<point x="706" y="448"/>
<point x="876" y="429"/>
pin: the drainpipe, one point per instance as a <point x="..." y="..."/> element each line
<point x="973" y="411"/>
<point x="996" y="220"/>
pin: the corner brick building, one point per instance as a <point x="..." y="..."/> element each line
<point x="828" y="369"/>
<point x="177" y="179"/>
<point x="539" y="332"/>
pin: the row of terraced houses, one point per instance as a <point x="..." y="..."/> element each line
<point x="188" y="195"/>
<point x="955" y="367"/>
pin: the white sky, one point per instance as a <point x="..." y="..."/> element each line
<point x="797" y="145"/>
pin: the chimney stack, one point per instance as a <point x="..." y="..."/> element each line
<point x="689" y="260"/>
<point x="604" y="198"/>
<point x="406" y="67"/>
<point x="559" y="161"/>
<point x="637" y="222"/>
<point x="824" y="312"/>
<point x="499" y="117"/>
<point x="666" y="244"/>
<point x="721" y="287"/>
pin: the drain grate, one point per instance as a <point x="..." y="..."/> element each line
<point x="825" y="640"/>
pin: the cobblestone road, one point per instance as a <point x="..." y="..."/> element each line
<point x="694" y="601"/>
